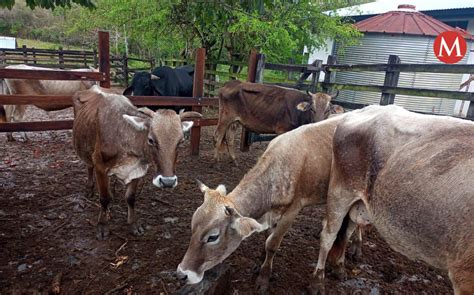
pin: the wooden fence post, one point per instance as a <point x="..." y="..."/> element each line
<point x="104" y="58"/>
<point x="198" y="92"/>
<point x="61" y="58"/>
<point x="254" y="60"/>
<point x="125" y="69"/>
<point x="34" y="55"/>
<point x="96" y="60"/>
<point x="391" y="80"/>
<point x="329" y="77"/>
<point x="25" y="54"/>
<point x="470" y="110"/>
<point x="315" y="77"/>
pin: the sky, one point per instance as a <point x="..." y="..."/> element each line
<point x="382" y="6"/>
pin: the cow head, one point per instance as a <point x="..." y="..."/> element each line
<point x="164" y="131"/>
<point x="142" y="85"/>
<point x="217" y="230"/>
<point x="319" y="105"/>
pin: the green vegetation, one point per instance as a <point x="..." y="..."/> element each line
<point x="228" y="29"/>
<point x="45" y="45"/>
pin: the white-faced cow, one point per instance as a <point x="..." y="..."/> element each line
<point x="114" y="138"/>
<point x="412" y="174"/>
<point x="291" y="174"/>
<point x="15" y="113"/>
<point x="264" y="109"/>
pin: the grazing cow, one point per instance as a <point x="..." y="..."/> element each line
<point x="291" y="174"/>
<point x="15" y="113"/>
<point x="412" y="176"/>
<point x="113" y="137"/>
<point x="163" y="81"/>
<point x="264" y="109"/>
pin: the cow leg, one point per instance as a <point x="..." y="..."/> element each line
<point x="271" y="246"/>
<point x="90" y="182"/>
<point x="219" y="135"/>
<point x="338" y="207"/>
<point x="230" y="140"/>
<point x="355" y="249"/>
<point x="104" y="195"/>
<point x="337" y="253"/>
<point x="130" y="194"/>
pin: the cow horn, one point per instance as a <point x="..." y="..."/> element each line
<point x="189" y="115"/>
<point x="155" y="77"/>
<point x="333" y="96"/>
<point x="309" y="92"/>
<point x="146" y="111"/>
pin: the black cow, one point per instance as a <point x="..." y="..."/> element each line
<point x="163" y="81"/>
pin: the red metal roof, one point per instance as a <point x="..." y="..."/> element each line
<point x="406" y="21"/>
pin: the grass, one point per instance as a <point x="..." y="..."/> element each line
<point x="45" y="45"/>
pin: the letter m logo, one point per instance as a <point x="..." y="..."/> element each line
<point x="450" y="47"/>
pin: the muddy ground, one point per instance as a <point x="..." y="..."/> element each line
<point x="47" y="233"/>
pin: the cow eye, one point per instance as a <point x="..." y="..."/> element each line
<point x="212" y="238"/>
<point x="151" y="141"/>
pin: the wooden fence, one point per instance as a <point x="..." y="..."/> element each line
<point x="62" y="59"/>
<point x="103" y="77"/>
<point x="388" y="90"/>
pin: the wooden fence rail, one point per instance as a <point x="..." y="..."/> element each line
<point x="103" y="77"/>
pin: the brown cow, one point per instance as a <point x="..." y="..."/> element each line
<point x="15" y="113"/>
<point x="412" y="175"/>
<point x="264" y="109"/>
<point x="113" y="137"/>
<point x="291" y="174"/>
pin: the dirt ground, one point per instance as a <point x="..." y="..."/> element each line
<point x="47" y="233"/>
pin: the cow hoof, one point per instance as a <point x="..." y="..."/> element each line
<point x="316" y="289"/>
<point x="355" y="252"/>
<point x="340" y="273"/>
<point x="262" y="284"/>
<point x="102" y="232"/>
<point x="10" y="139"/>
<point x="137" y="229"/>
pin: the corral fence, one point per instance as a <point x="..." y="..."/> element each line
<point x="61" y="59"/>
<point x="309" y="76"/>
<point x="197" y="102"/>
<point x="122" y="67"/>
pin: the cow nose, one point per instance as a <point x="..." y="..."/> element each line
<point x="165" y="182"/>
<point x="181" y="275"/>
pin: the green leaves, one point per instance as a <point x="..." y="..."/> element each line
<point x="48" y="4"/>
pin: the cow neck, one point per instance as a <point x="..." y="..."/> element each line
<point x="257" y="192"/>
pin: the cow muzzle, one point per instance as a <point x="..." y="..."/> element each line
<point x="165" y="182"/>
<point x="189" y="276"/>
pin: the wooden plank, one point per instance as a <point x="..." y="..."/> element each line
<point x="36" y="126"/>
<point x="104" y="58"/>
<point x="329" y="77"/>
<point x="405" y="91"/>
<point x="173" y="101"/>
<point x="253" y="75"/>
<point x="198" y="91"/>
<point x="136" y="100"/>
<point x="391" y="80"/>
<point x="50" y="75"/>
<point x="431" y="68"/>
<point x="67" y="124"/>
<point x="292" y="68"/>
<point x="49" y="51"/>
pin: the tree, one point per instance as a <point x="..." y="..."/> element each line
<point x="48" y="4"/>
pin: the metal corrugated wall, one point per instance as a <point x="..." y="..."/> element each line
<point x="375" y="48"/>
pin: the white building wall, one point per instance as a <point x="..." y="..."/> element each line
<point x="461" y="107"/>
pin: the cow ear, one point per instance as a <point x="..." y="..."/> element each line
<point x="303" y="106"/>
<point x="202" y="186"/>
<point x="128" y="91"/>
<point x="138" y="123"/>
<point x="221" y="190"/>
<point x="187" y="125"/>
<point x="245" y="226"/>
